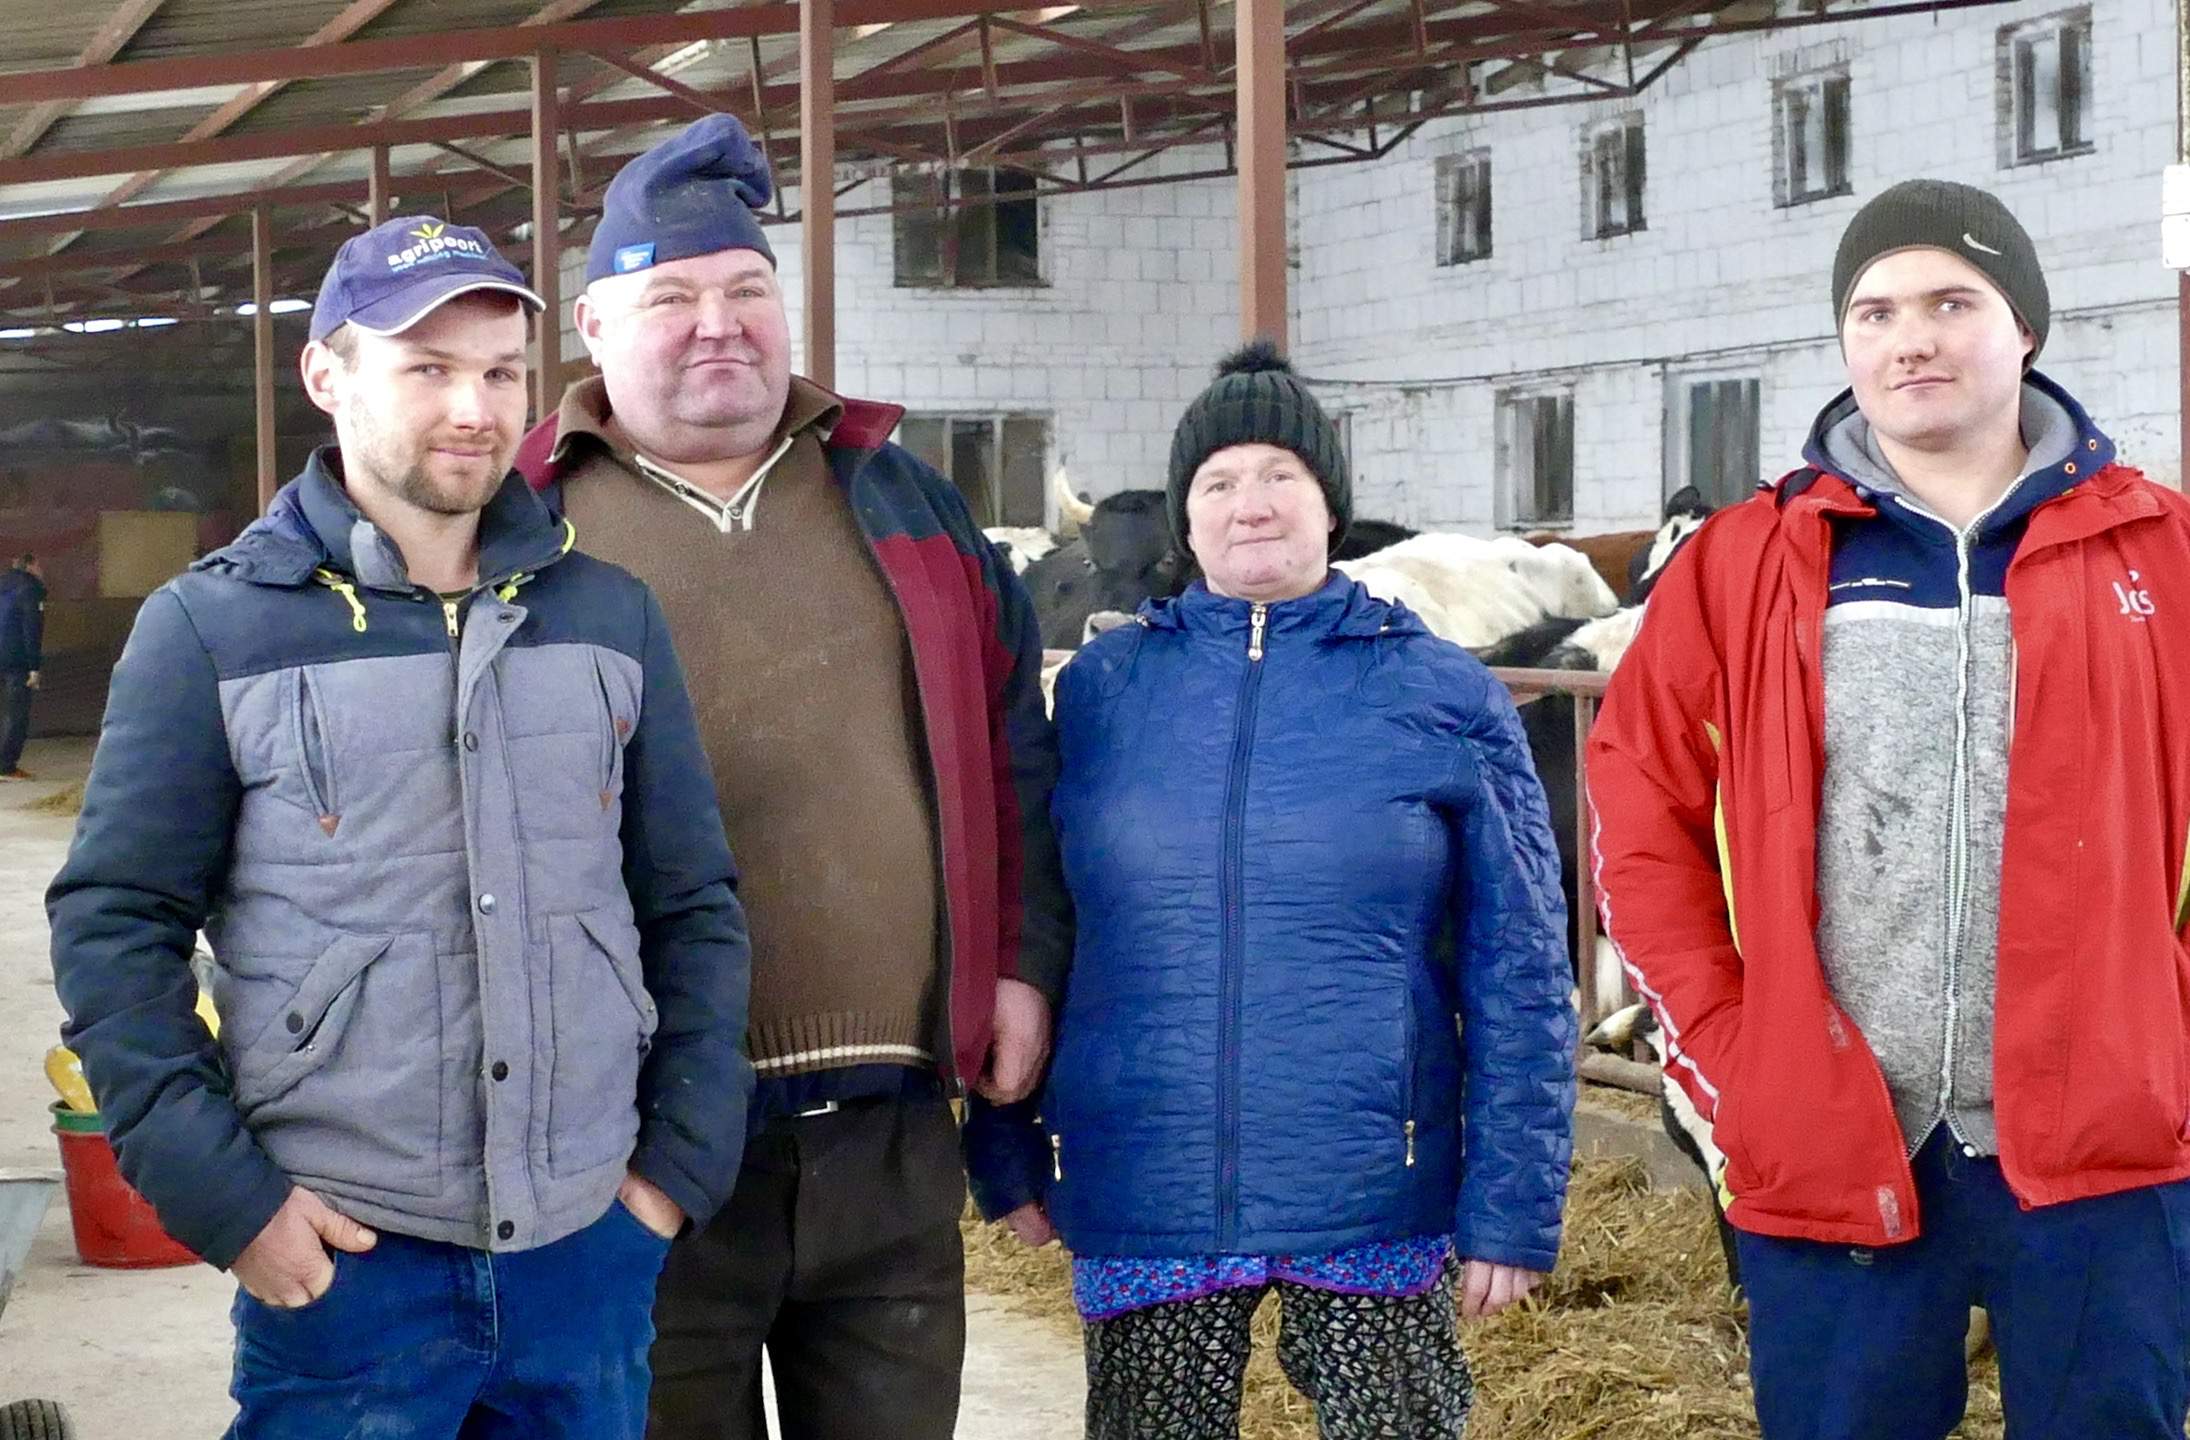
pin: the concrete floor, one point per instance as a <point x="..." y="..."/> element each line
<point x="144" y="1354"/>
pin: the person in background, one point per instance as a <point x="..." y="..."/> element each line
<point x="22" y="655"/>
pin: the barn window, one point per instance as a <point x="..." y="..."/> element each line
<point x="1712" y="437"/>
<point x="1810" y="138"/>
<point x="1463" y="207"/>
<point x="1536" y="460"/>
<point x="990" y="237"/>
<point x="996" y="461"/>
<point x="1612" y="178"/>
<point x="2044" y="71"/>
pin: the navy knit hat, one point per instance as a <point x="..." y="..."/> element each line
<point x="1256" y="397"/>
<point x="693" y="194"/>
<point x="389" y="278"/>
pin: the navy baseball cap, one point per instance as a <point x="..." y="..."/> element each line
<point x="392" y="276"/>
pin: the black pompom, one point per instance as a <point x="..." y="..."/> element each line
<point x="1253" y="358"/>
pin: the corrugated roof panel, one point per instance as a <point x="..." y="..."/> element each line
<point x="39" y="34"/>
<point x="186" y="26"/>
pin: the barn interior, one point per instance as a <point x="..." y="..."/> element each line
<point x="174" y="175"/>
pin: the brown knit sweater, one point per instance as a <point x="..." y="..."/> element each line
<point x="802" y="678"/>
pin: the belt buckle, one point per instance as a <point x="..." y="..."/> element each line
<point x="826" y="1107"/>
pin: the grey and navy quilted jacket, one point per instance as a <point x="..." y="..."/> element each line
<point x="474" y="916"/>
<point x="1320" y="991"/>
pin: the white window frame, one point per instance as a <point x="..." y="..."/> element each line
<point x="1811" y="137"/>
<point x="978" y="220"/>
<point x="2046" y="96"/>
<point x="1615" y="178"/>
<point x="989" y="510"/>
<point x="1516" y="430"/>
<point x="1680" y="396"/>
<point x="1464" y="214"/>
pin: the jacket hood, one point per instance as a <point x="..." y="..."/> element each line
<point x="2065" y="448"/>
<point x="313" y="525"/>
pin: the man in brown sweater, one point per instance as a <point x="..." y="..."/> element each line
<point x="865" y="674"/>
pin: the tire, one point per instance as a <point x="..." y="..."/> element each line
<point x="35" y="1420"/>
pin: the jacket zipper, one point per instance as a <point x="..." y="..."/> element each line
<point x="1056" y="1156"/>
<point x="1958" y="800"/>
<point x="1230" y="961"/>
<point x="1406" y="1079"/>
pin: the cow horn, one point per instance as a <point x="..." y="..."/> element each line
<point x="1072" y="511"/>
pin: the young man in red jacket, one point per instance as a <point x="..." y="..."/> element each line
<point x="1892" y="797"/>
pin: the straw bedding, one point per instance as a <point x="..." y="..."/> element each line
<point x="1635" y="1336"/>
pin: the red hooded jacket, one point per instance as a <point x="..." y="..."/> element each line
<point x="1704" y="773"/>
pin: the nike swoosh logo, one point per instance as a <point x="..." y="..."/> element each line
<point x="1976" y="244"/>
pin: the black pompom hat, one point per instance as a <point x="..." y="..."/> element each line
<point x="1256" y="397"/>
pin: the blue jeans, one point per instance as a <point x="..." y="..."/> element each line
<point x="2087" y="1300"/>
<point x="417" y="1340"/>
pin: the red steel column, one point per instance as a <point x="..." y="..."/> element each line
<point x="547" y="236"/>
<point x="1260" y="43"/>
<point x="817" y="183"/>
<point x="262" y="336"/>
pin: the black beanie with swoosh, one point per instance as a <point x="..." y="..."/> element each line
<point x="1966" y="222"/>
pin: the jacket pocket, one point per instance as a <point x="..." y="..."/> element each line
<point x="314" y="768"/>
<point x="341" y="1079"/>
<point x="617" y="724"/>
<point x="601" y="1024"/>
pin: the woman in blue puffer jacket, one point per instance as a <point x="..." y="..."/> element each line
<point x="1303" y="839"/>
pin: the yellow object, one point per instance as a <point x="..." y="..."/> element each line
<point x="66" y="1071"/>
<point x="67" y="1074"/>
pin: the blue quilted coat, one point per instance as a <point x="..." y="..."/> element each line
<point x="1303" y="840"/>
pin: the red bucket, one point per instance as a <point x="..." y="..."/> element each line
<point x="114" y="1225"/>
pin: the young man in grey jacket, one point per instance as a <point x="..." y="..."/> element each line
<point x="430" y="781"/>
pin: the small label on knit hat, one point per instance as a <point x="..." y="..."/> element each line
<point x="634" y="257"/>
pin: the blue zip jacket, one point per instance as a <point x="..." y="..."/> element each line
<point x="1302" y="840"/>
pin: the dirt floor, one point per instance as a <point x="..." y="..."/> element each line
<point x="144" y="1354"/>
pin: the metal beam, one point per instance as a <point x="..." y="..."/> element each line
<point x="547" y="236"/>
<point x="262" y="344"/>
<point x="817" y="184"/>
<point x="1259" y="43"/>
<point x="436" y="48"/>
<point x="120" y="28"/>
<point x="352" y="18"/>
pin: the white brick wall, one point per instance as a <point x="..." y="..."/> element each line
<point x="1143" y="283"/>
<point x="1721" y="279"/>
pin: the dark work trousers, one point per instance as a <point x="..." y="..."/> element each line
<point x="2088" y="1302"/>
<point x="15" y="696"/>
<point x="839" y="1253"/>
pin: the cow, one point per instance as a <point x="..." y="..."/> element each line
<point x="1476" y="592"/>
<point x="1592" y="644"/>
<point x="1024" y="544"/>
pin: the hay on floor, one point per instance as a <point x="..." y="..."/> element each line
<point x="69" y="800"/>
<point x="1636" y="1335"/>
